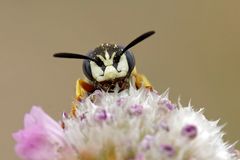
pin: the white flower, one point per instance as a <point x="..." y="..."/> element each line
<point x="141" y="124"/>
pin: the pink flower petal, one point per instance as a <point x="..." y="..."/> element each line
<point x="41" y="137"/>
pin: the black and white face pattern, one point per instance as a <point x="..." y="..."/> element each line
<point x="109" y="64"/>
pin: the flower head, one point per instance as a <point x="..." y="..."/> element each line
<point x="134" y="124"/>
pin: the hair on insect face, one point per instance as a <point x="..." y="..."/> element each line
<point x="108" y="61"/>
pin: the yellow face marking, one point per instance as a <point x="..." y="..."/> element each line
<point x="108" y="61"/>
<point x="107" y="55"/>
<point x="96" y="70"/>
<point x="110" y="71"/>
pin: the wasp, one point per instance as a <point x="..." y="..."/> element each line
<point x="107" y="66"/>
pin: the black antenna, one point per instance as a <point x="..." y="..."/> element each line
<point x="73" y="56"/>
<point x="137" y="40"/>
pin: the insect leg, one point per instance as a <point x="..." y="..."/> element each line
<point x="82" y="89"/>
<point x="141" y="80"/>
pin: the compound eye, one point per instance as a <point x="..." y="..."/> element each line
<point x="87" y="69"/>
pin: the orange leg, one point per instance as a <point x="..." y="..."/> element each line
<point x="141" y="80"/>
<point x="82" y="89"/>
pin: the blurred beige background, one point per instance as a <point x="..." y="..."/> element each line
<point x="195" y="52"/>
